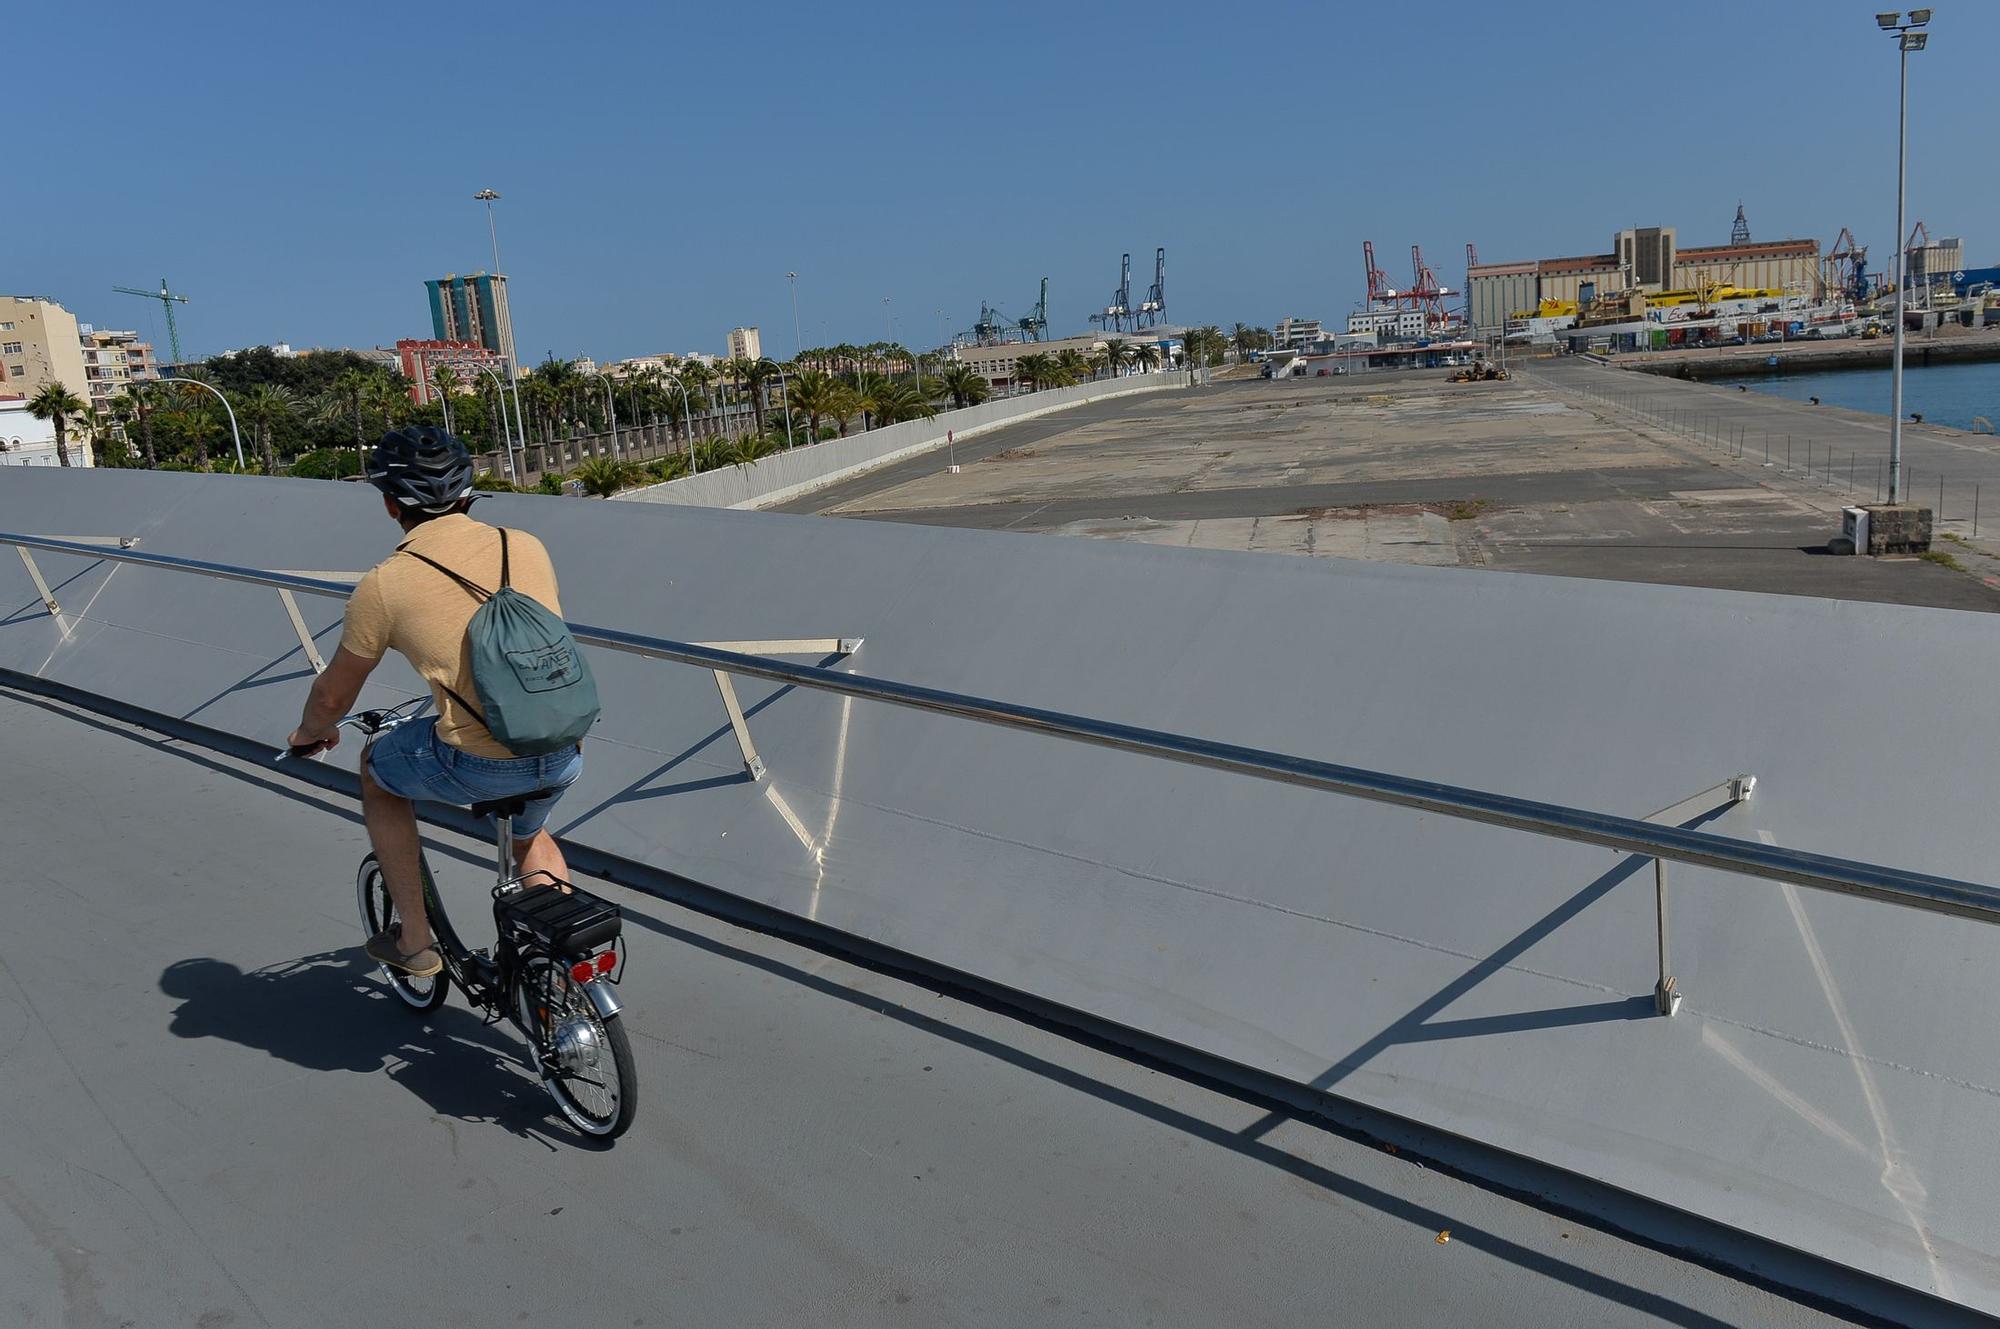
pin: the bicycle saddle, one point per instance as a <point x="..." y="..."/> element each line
<point x="509" y="807"/>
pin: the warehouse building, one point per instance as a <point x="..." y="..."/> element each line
<point x="1649" y="258"/>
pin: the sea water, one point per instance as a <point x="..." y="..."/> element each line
<point x="1952" y="395"/>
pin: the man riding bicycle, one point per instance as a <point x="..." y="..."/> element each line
<point x="414" y="602"/>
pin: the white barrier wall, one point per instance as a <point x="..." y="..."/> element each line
<point x="786" y="475"/>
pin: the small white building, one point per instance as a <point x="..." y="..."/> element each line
<point x="26" y="441"/>
<point x="1388" y="324"/>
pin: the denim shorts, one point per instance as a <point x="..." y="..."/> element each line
<point x="410" y="761"/>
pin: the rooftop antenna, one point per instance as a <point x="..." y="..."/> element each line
<point x="1739" y="234"/>
<point x="167" y="300"/>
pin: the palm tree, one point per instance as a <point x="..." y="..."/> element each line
<point x="130" y="405"/>
<point x="846" y="401"/>
<point x="194" y="411"/>
<point x="1146" y="356"/>
<point x="260" y="408"/>
<point x="1035" y="370"/>
<point x="757" y="373"/>
<point x="963" y="384"/>
<point x="58" y="405"/>
<point x="384" y="396"/>
<point x="815" y="393"/>
<point x="1071" y="366"/>
<point x="896" y="402"/>
<point x="1245" y="338"/>
<point x="1114" y="356"/>
<point x="347" y="387"/>
<point x="605" y="476"/>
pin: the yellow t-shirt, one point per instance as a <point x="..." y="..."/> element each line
<point x="405" y="604"/>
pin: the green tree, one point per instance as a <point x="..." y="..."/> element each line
<point x="1070" y="367"/>
<point x="129" y="406"/>
<point x="1113" y="356"/>
<point x="605" y="476"/>
<point x="816" y="395"/>
<point x="386" y="397"/>
<point x="1146" y="356"/>
<point x="965" y="385"/>
<point x="262" y="407"/>
<point x="348" y="387"/>
<point x="59" y="406"/>
<point x="757" y="374"/>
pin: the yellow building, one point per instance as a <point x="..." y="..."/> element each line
<point x="39" y="345"/>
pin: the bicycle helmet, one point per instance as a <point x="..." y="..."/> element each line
<point x="424" y="469"/>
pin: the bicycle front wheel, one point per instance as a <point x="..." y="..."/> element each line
<point x="584" y="1059"/>
<point x="378" y="912"/>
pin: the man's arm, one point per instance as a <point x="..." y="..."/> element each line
<point x="333" y="693"/>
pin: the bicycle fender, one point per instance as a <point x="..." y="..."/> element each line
<point x="604" y="999"/>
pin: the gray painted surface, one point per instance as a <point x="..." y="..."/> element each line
<point x="1824" y="1085"/>
<point x="216" y="1118"/>
<point x="788" y="475"/>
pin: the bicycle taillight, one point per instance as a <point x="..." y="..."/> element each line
<point x="585" y="970"/>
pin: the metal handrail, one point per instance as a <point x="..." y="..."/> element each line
<point x="1915" y="890"/>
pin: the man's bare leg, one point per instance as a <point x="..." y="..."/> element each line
<point x="539" y="853"/>
<point x="392" y="829"/>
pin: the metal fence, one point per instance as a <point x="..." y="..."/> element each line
<point x="1659" y="837"/>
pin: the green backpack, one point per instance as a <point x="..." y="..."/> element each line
<point x="535" y="688"/>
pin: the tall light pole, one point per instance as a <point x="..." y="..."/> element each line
<point x="506" y="443"/>
<point x="444" y="399"/>
<point x="611" y="408"/>
<point x="489" y="197"/>
<point x="207" y="387"/>
<point x="798" y="338"/>
<point x="687" y="419"/>
<point x="1908" y="39"/>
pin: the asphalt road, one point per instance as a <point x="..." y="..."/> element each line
<point x="217" y="1118"/>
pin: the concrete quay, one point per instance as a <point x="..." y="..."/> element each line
<point x="1571" y="469"/>
<point x="1946" y="346"/>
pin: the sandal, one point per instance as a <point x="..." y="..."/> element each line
<point x="385" y="948"/>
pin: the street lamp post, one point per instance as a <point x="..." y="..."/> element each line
<point x="507" y="442"/>
<point x="798" y="338"/>
<point x="444" y="399"/>
<point x="489" y="197"/>
<point x="206" y="387"/>
<point x="785" y="387"/>
<point x="687" y="420"/>
<point x="1908" y="39"/>
<point x="611" y="409"/>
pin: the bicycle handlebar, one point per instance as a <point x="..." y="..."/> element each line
<point x="370" y="723"/>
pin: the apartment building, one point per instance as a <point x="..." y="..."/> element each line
<point x="40" y="344"/>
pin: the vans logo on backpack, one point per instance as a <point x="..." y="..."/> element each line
<point x="545" y="667"/>
<point x="535" y="688"/>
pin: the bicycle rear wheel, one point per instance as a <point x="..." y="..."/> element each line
<point x="378" y="912"/>
<point x="584" y="1059"/>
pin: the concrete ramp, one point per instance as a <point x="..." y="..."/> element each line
<point x="1832" y="1082"/>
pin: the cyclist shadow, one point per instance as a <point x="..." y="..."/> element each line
<point x="330" y="1012"/>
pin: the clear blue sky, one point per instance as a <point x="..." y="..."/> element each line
<point x="299" y="171"/>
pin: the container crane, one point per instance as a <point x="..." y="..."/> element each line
<point x="1846" y="267"/>
<point x="1155" y="306"/>
<point x="1379" y="292"/>
<point x="167" y="301"/>
<point x="1035" y="327"/>
<point x="1426" y="293"/>
<point x="1120" y="308"/>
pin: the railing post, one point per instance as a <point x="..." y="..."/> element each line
<point x="41" y="586"/>
<point x="299" y="626"/>
<point x="1666" y="993"/>
<point x="753" y="765"/>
